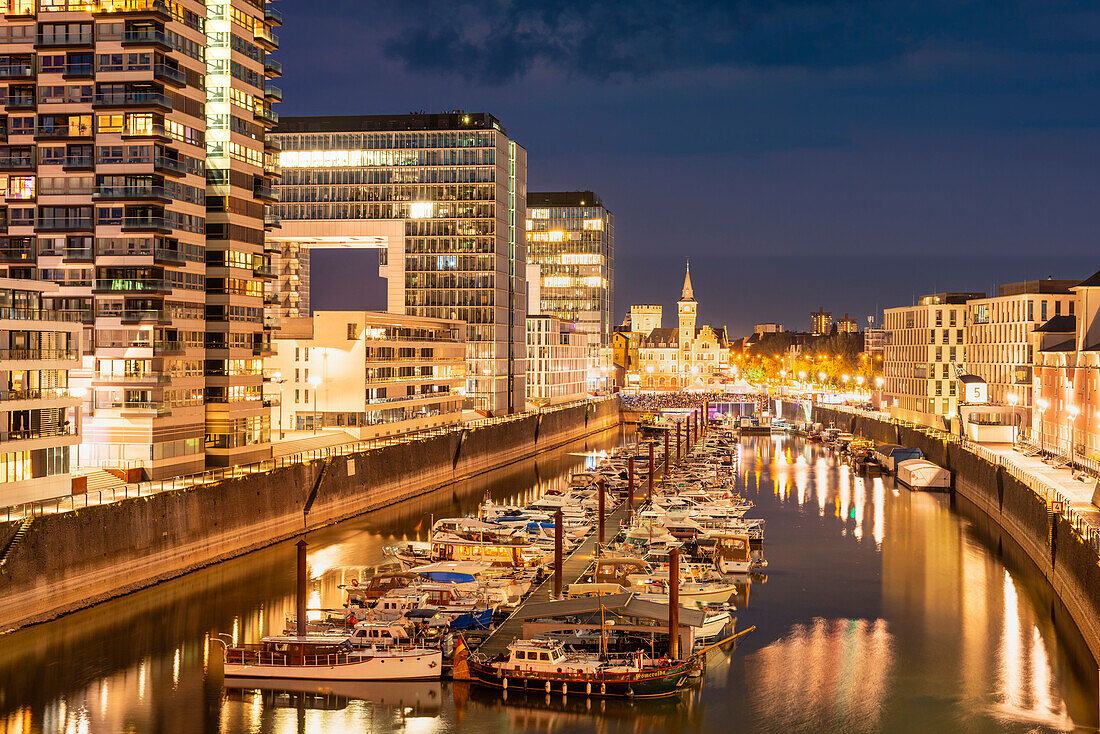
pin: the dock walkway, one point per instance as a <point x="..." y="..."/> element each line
<point x="573" y="567"/>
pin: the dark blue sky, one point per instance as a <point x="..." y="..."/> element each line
<point x="840" y="154"/>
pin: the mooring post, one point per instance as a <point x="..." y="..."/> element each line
<point x="302" y="595"/>
<point x="674" y="603"/>
<point x="667" y="462"/>
<point x="651" y="472"/>
<point x="630" y="486"/>
<point x="557" y="554"/>
<point x="602" y="490"/>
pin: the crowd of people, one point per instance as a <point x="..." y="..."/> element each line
<point x="655" y="401"/>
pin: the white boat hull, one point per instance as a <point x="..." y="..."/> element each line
<point x="416" y="665"/>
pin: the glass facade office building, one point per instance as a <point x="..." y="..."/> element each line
<point x="454" y="185"/>
<point x="571" y="236"/>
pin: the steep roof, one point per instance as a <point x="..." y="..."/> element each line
<point x="1063" y="324"/>
<point x="688" y="294"/>
<point x="661" y="335"/>
<point x="1090" y="282"/>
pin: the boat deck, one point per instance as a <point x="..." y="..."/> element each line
<point x="573" y="567"/>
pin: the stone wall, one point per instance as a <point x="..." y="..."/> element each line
<point x="76" y="559"/>
<point x="1068" y="563"/>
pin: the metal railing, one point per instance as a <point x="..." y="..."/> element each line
<point x="213" y="476"/>
<point x="1085" y="527"/>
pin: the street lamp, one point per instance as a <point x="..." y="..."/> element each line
<point x="79" y="393"/>
<point x="277" y="378"/>
<point x="1012" y="400"/>
<point x="315" y="381"/>
<point x="1042" y="403"/>
<point x="1073" y="411"/>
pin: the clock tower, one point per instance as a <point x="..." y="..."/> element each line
<point x="687" y="313"/>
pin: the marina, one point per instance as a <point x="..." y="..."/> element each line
<point x="142" y="659"/>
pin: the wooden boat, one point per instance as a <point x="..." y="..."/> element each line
<point x="328" y="658"/>
<point x="545" y="666"/>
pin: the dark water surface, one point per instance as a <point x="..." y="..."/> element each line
<point x="882" y="610"/>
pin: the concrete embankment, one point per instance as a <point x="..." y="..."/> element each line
<point x="1061" y="555"/>
<point x="76" y="559"/>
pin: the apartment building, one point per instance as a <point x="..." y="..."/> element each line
<point x="821" y="322"/>
<point x="557" y="360"/>
<point x="1066" y="379"/>
<point x="924" y="344"/>
<point x="133" y="130"/>
<point x="999" y="335"/>
<point x="39" y="409"/>
<point x="367" y="373"/>
<point x="847" y="325"/>
<point x="443" y="197"/>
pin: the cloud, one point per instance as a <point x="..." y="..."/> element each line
<point x="498" y="41"/>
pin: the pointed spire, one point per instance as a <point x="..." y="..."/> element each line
<point x="687" y="295"/>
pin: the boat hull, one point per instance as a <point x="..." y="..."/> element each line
<point x="424" y="665"/>
<point x="654" y="683"/>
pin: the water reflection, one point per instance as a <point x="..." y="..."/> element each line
<point x="882" y="611"/>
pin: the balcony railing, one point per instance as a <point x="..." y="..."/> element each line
<point x="159" y="224"/>
<point x="69" y="39"/>
<point x="16" y="253"/>
<point x="29" y="434"/>
<point x="63" y="131"/>
<point x="134" y="99"/>
<point x="39" y="354"/>
<point x="169" y="74"/>
<point x="267" y="115"/>
<point x="273" y="15"/>
<point x="169" y="164"/>
<point x="45" y="393"/>
<point x="264" y="35"/>
<point x="20" y="163"/>
<point x="273" y="67"/>
<point x="273" y="92"/>
<point x="135" y="405"/>
<point x="67" y="224"/>
<point x="18" y="101"/>
<point x="16" y="71"/>
<point x="169" y="347"/>
<point x="131" y="285"/>
<point x="146" y="36"/>
<point x="78" y="161"/>
<point x="131" y="192"/>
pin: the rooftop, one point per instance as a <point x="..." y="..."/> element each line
<point x="1036" y="286"/>
<point x="1063" y="324"/>
<point x="1090" y="282"/>
<point x="413" y="121"/>
<point x="949" y="298"/>
<point x="563" y="198"/>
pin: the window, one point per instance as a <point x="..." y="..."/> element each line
<point x="353" y="332"/>
<point x="109" y="123"/>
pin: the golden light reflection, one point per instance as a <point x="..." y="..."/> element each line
<point x="834" y="673"/>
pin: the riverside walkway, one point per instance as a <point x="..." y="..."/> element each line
<point x="69" y="503"/>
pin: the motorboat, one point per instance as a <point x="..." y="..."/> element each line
<point x="326" y="657"/>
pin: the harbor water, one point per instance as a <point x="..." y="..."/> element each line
<point x="881" y="609"/>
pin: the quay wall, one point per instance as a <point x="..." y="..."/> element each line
<point x="76" y="559"/>
<point x="1069" y="564"/>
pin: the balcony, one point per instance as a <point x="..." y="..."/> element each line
<point x="47" y="393"/>
<point x="272" y="67"/>
<point x="9" y="163"/>
<point x="144" y="378"/>
<point x="38" y="355"/>
<point x="266" y="114"/>
<point x="140" y="316"/>
<point x="115" y="7"/>
<point x="265" y="192"/>
<point x="146" y="224"/>
<point x="265" y="38"/>
<point x="134" y="99"/>
<point x="171" y="166"/>
<point x="78" y="254"/>
<point x="78" y="71"/>
<point x="78" y="163"/>
<point x="273" y="16"/>
<point x="146" y="37"/>
<point x="136" y="406"/>
<point x="39" y="314"/>
<point x="272" y="92"/>
<point x="165" y="73"/>
<point x="17" y="253"/>
<point x="271" y="219"/>
<point x="69" y="40"/>
<point x="263" y="271"/>
<point x="131" y="285"/>
<point x="167" y="256"/>
<point x="131" y="193"/>
<point x="18" y="102"/>
<point x="33" y="433"/>
<point x="63" y="132"/>
<point x="169" y="347"/>
<point x="17" y="71"/>
<point x="73" y="224"/>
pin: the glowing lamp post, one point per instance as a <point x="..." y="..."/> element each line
<point x="315" y="381"/>
<point x="1012" y="400"/>
<point x="1042" y="403"/>
<point x="1073" y="411"/>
